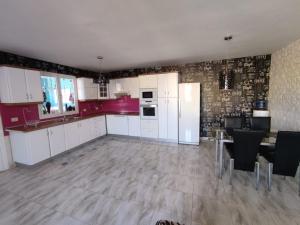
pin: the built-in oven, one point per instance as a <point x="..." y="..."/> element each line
<point x="147" y="95"/>
<point x="149" y="111"/>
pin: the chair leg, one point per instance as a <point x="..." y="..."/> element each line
<point x="299" y="182"/>
<point x="257" y="174"/>
<point x="231" y="164"/>
<point x="270" y="171"/>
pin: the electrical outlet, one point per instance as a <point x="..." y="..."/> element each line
<point x="14" y="119"/>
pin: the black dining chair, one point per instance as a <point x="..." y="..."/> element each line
<point x="284" y="158"/>
<point x="244" y="151"/>
<point x="231" y="123"/>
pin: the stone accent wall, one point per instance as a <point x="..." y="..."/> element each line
<point x="251" y="82"/>
<point x="284" y="100"/>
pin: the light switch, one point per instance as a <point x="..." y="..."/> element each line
<point x="14" y="119"/>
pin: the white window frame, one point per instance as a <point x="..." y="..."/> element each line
<point x="60" y="103"/>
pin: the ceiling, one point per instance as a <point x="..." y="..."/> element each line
<point x="137" y="33"/>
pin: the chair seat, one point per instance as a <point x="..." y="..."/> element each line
<point x="263" y="149"/>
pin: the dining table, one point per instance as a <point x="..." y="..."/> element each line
<point x="222" y="137"/>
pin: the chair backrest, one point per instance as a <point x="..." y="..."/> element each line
<point x="246" y="147"/>
<point x="287" y="153"/>
<point x="260" y="123"/>
<point x="231" y="123"/>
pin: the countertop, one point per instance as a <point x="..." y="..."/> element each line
<point x="61" y="121"/>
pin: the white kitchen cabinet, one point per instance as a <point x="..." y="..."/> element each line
<point x="98" y="127"/>
<point x="148" y="81"/>
<point x="134" y="126"/>
<point x="112" y="88"/>
<point x="72" y="135"/>
<point x="33" y="83"/>
<point x="20" y="86"/>
<point x="84" y="127"/>
<point x="117" y="124"/>
<point x="172" y="91"/>
<point x="31" y="147"/>
<point x="131" y="86"/>
<point x="163" y="118"/>
<point x="168" y="118"/>
<point x="173" y="119"/>
<point x="13" y="85"/>
<point x="167" y="85"/>
<point x="57" y="140"/>
<point x="87" y="89"/>
<point x="149" y="128"/>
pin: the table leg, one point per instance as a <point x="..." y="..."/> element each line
<point x="221" y="148"/>
<point x="217" y="150"/>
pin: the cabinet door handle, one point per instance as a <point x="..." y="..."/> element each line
<point x="27" y="97"/>
<point x="30" y="96"/>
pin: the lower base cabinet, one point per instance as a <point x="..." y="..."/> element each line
<point x="123" y="125"/>
<point x="33" y="147"/>
<point x="117" y="124"/>
<point x="57" y="140"/>
<point x="30" y="148"/>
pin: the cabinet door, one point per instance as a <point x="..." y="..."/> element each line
<point x="38" y="146"/>
<point x="148" y="81"/>
<point x="72" y="135"/>
<point x="134" y="126"/>
<point x="100" y="126"/>
<point x="162" y="85"/>
<point x="131" y="86"/>
<point x="85" y="131"/>
<point x="172" y="118"/>
<point x="112" y="88"/>
<point x="17" y="84"/>
<point x="162" y="118"/>
<point x="172" y="90"/>
<point x="117" y="124"/>
<point x="57" y="140"/>
<point x="119" y="85"/>
<point x="34" y="87"/>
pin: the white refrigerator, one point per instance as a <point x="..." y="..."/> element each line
<point x="189" y="113"/>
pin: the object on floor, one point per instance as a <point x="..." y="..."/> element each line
<point x="167" y="222"/>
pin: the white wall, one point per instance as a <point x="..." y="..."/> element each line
<point x="284" y="96"/>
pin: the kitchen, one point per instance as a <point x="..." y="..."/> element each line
<point x="147" y="106"/>
<point x="149" y="112"/>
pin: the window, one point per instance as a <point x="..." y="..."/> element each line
<point x="60" y="95"/>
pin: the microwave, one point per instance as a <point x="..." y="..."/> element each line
<point x="148" y="95"/>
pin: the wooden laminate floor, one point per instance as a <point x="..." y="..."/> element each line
<point x="125" y="181"/>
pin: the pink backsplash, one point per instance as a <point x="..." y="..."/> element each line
<point x="30" y="111"/>
<point x="123" y="104"/>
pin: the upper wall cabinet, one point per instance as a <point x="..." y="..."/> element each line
<point x="19" y="85"/>
<point x="168" y="85"/>
<point x="148" y="81"/>
<point x="128" y="85"/>
<point x="87" y="89"/>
